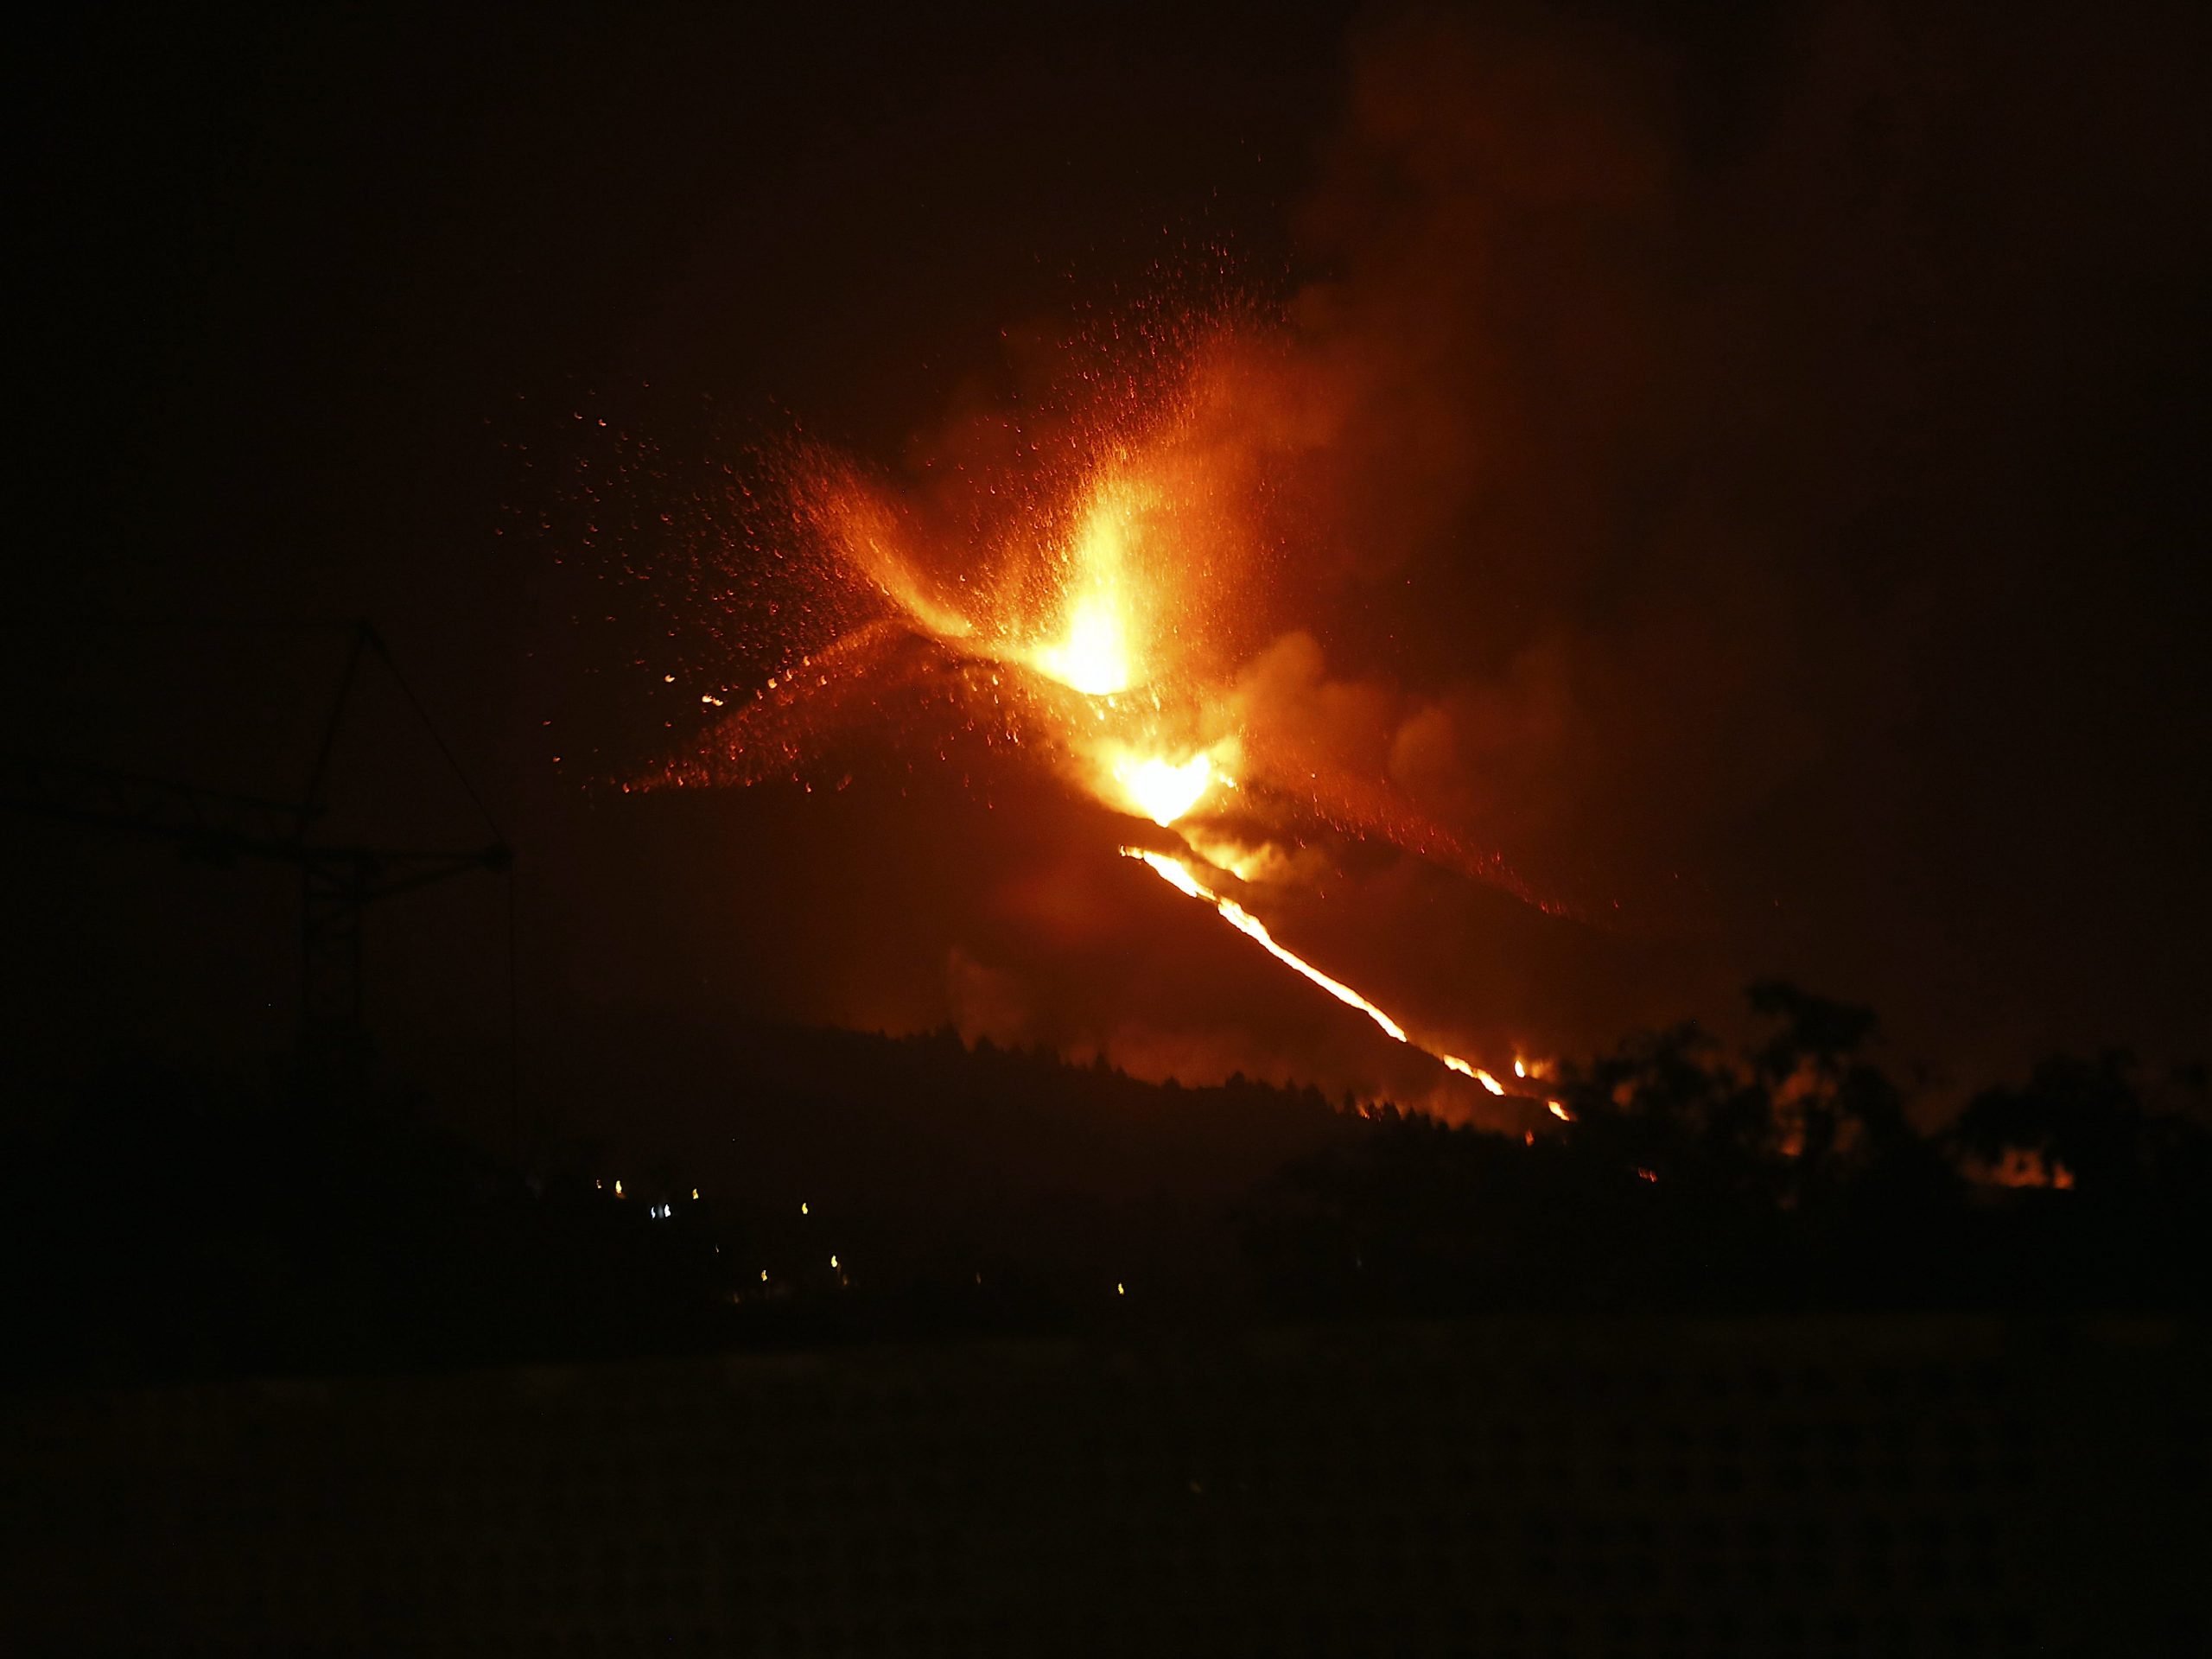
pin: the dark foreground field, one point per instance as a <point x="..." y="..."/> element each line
<point x="1819" y="1487"/>
<point x="899" y="1347"/>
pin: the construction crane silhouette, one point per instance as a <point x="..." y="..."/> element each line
<point x="338" y="882"/>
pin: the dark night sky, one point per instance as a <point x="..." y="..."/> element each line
<point x="1775" y="446"/>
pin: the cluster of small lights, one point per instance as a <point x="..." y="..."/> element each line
<point x="665" y="1211"/>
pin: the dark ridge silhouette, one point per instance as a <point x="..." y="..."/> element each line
<point x="848" y="1187"/>
<point x="163" y="1226"/>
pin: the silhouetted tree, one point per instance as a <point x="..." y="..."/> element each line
<point x="2082" y="1121"/>
<point x="1786" y="1174"/>
<point x="1792" y="1121"/>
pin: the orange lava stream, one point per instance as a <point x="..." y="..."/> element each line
<point x="1179" y="876"/>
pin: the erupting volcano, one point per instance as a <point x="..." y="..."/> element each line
<point x="1096" y="589"/>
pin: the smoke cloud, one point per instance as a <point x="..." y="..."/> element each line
<point x="1744" y="494"/>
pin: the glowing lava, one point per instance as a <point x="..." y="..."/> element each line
<point x="1097" y="650"/>
<point x="1162" y="790"/>
<point x="1093" y="657"/>
<point x="1179" y="876"/>
<point x="1454" y="1063"/>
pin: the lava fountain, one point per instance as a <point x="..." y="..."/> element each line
<point x="1089" y="604"/>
